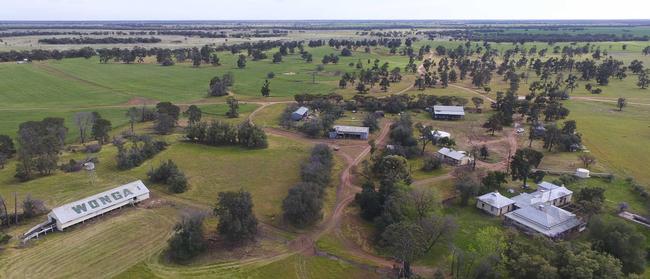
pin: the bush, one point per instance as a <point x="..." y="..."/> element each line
<point x="93" y="148"/>
<point x="143" y="148"/>
<point x="302" y="207"/>
<point x="33" y="207"/>
<point x="168" y="173"/>
<point x="431" y="163"/>
<point x="270" y="75"/>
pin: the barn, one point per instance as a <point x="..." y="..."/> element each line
<point x="448" y="112"/>
<point x="76" y="212"/>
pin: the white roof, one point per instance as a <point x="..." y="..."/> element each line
<point x="457" y="155"/>
<point x="545" y="219"/>
<point x="449" y="110"/>
<point x="351" y="129"/>
<point x="496" y="199"/>
<point x="545" y="193"/>
<point x="440" y="134"/>
<point x="301" y="110"/>
<point x="97" y="202"/>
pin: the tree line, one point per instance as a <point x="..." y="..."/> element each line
<point x="106" y="40"/>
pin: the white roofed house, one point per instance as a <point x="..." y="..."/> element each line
<point x="454" y="157"/>
<point x="495" y="203"/>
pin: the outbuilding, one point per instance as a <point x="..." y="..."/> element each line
<point x="582" y="173"/>
<point x="353" y="132"/>
<point x="76" y="212"/>
<point x="299" y="114"/>
<point x="454" y="157"/>
<point x="437" y="134"/>
<point x="448" y="112"/>
<point x="495" y="203"/>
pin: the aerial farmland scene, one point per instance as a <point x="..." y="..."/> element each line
<point x="325" y="139"/>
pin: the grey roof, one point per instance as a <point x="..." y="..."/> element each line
<point x="67" y="212"/>
<point x="546" y="193"/>
<point x="496" y="199"/>
<point x="301" y="110"/>
<point x="457" y="155"/>
<point x="351" y="129"/>
<point x="546" y="219"/>
<point x="449" y="110"/>
<point x="440" y="134"/>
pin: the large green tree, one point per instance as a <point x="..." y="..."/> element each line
<point x="237" y="222"/>
<point x="523" y="162"/>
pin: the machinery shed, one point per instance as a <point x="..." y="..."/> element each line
<point x="76" y="212"/>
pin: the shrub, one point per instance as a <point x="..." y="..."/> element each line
<point x="93" y="148"/>
<point x="33" y="207"/>
<point x="187" y="240"/>
<point x="169" y="174"/>
<point x="177" y="183"/>
<point x="270" y="75"/>
<point x="431" y="163"/>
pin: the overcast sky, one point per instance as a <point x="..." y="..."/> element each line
<point x="321" y="9"/>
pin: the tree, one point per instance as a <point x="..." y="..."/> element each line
<point x="590" y="200"/>
<point x="168" y="173"/>
<point x="84" y="122"/>
<point x="193" y="114"/>
<point x="251" y="136"/>
<point x="236" y="219"/>
<point x="169" y="109"/>
<point x="40" y="143"/>
<point x="392" y="169"/>
<point x="241" y="61"/>
<point x="33" y="207"/>
<point x="233" y="107"/>
<point x="404" y="242"/>
<point x="620" y="103"/>
<point x="346" y="52"/>
<point x="214" y="60"/>
<point x="478" y="102"/>
<point x="644" y="81"/>
<point x="266" y="91"/>
<point x="494" y="123"/>
<point x="523" y="162"/>
<point x="187" y="239"/>
<point x="587" y="159"/>
<point x="7" y="147"/>
<point x="621" y="240"/>
<point x="133" y="114"/>
<point x="277" y="57"/>
<point x="218" y="87"/>
<point x="100" y="130"/>
<point x="493" y="180"/>
<point x="164" y="124"/>
<point x="302" y="206"/>
<point x="484" y="152"/>
<point x="467" y="185"/>
<point x="370" y="121"/>
<point x="426" y="135"/>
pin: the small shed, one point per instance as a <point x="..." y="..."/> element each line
<point x="454" y="157"/>
<point x="495" y="203"/>
<point x="440" y="134"/>
<point x="582" y="173"/>
<point x="354" y="132"/>
<point x="299" y="114"/>
<point x="448" y="112"/>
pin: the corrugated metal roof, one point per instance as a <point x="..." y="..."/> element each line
<point x="97" y="202"/>
<point x="456" y="155"/>
<point x="449" y="110"/>
<point x="440" y="134"/>
<point x="351" y="129"/>
<point x="496" y="199"/>
<point x="301" y="110"/>
<point x="545" y="219"/>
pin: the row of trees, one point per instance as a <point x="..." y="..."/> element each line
<point x="218" y="133"/>
<point x="91" y="40"/>
<point x="304" y="202"/>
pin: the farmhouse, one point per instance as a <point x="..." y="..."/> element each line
<point x="448" y="112"/>
<point x="453" y="157"/>
<point x="537" y="212"/>
<point x="84" y="209"/>
<point x="495" y="203"/>
<point x="299" y="114"/>
<point x="349" y="132"/>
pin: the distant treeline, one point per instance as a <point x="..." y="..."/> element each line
<point x="75" y="33"/>
<point x="107" y="40"/>
<point x="41" y="54"/>
<point x="499" y="36"/>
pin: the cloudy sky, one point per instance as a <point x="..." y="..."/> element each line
<point x="321" y="9"/>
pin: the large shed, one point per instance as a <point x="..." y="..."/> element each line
<point x="339" y="131"/>
<point x="76" y="212"/>
<point x="448" y="112"/>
